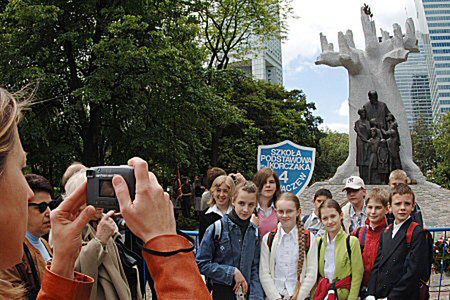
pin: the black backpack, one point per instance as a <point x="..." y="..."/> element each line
<point x="131" y="263"/>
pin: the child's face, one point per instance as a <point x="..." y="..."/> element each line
<point x="244" y="204"/>
<point x="269" y="188"/>
<point x="287" y="213"/>
<point x="376" y="212"/>
<point x="318" y="201"/>
<point x="221" y="195"/>
<point x="394" y="182"/>
<point x="356" y="196"/>
<point x="402" y="207"/>
<point x="331" y="219"/>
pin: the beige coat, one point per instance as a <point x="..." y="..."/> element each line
<point x="267" y="268"/>
<point x="102" y="263"/>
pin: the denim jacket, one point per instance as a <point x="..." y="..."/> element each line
<point x="219" y="263"/>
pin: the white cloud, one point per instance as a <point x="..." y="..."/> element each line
<point x="343" y="109"/>
<point x="339" y="127"/>
<point x="330" y="17"/>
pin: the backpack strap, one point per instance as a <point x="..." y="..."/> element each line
<point x="270" y="237"/>
<point x="409" y="233"/>
<point x="362" y="237"/>
<point x="218" y="229"/>
<point x="307" y="240"/>
<point x="388" y="228"/>
<point x="349" y="250"/>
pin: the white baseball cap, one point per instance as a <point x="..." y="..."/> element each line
<point x="354" y="183"/>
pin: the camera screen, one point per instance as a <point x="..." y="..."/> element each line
<point x="106" y="189"/>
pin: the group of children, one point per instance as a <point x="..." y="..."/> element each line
<point x="244" y="254"/>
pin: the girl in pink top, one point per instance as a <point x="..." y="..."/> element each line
<point x="268" y="191"/>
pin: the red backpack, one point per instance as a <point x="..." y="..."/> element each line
<point x="425" y="268"/>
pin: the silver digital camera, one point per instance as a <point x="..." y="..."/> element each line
<point x="100" y="190"/>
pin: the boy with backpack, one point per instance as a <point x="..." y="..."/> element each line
<point x="312" y="221"/>
<point x="369" y="234"/>
<point x="403" y="263"/>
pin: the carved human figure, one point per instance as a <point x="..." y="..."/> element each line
<point x="393" y="143"/>
<point x="373" y="69"/>
<point x="377" y="110"/>
<point x="362" y="129"/>
<point x="383" y="162"/>
<point x="374" y="144"/>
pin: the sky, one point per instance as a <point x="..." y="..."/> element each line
<point x="327" y="87"/>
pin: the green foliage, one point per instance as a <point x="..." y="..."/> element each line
<point x="116" y="79"/>
<point x="441" y="173"/>
<point x="267" y="114"/>
<point x="232" y="27"/>
<point x="333" y="151"/>
<point x="424" y="154"/>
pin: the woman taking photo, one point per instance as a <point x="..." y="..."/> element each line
<point x="220" y="203"/>
<point x="288" y="265"/>
<point x="144" y="216"/>
<point x="340" y="262"/>
<point x="269" y="189"/>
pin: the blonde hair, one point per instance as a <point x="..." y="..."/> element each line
<point x="301" y="237"/>
<point x="10" y="116"/>
<point x="398" y="175"/>
<point x="379" y="195"/>
<point x="217" y="183"/>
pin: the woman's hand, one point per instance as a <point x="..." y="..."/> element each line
<point x="240" y="281"/>
<point x="151" y="212"/>
<point x="67" y="224"/>
<point x="106" y="228"/>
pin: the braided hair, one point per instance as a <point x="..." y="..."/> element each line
<point x="301" y="238"/>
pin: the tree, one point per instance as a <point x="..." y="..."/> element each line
<point x="116" y="79"/>
<point x="238" y="26"/>
<point x="266" y="114"/>
<point x="424" y="153"/>
<point x="333" y="150"/>
<point x="441" y="172"/>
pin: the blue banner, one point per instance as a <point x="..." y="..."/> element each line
<point x="293" y="163"/>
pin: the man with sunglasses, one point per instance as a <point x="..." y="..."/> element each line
<point x="37" y="252"/>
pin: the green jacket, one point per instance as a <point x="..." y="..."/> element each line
<point x="343" y="266"/>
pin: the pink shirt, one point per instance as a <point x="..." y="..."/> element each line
<point x="267" y="223"/>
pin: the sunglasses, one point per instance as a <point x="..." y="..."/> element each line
<point x="43" y="205"/>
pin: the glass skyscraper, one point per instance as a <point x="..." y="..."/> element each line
<point x="434" y="23"/>
<point x="414" y="85"/>
<point x="264" y="62"/>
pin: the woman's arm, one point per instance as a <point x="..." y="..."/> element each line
<point x="264" y="271"/>
<point x="311" y="270"/>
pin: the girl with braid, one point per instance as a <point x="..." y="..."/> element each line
<point x="288" y="264"/>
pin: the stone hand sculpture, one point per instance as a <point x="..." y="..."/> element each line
<point x="373" y="69"/>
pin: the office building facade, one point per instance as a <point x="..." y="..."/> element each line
<point x="414" y="85"/>
<point x="434" y="23"/>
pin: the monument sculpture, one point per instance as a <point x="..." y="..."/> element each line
<point x="372" y="69"/>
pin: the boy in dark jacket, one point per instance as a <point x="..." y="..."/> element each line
<point x="396" y="272"/>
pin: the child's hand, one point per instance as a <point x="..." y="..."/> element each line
<point x="254" y="219"/>
<point x="240" y="281"/>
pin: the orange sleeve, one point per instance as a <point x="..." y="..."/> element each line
<point x="176" y="276"/>
<point x="56" y="287"/>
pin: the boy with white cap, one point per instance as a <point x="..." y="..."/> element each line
<point x="355" y="210"/>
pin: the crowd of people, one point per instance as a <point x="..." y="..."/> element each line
<point x="255" y="241"/>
